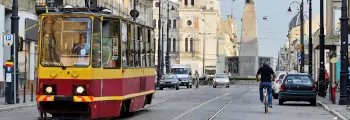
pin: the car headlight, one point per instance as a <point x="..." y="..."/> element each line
<point x="174" y="82"/>
<point x="48" y="89"/>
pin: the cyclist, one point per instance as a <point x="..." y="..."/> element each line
<point x="266" y="71"/>
<point x="196" y="76"/>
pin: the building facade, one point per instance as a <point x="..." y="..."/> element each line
<point x="199" y="30"/>
<point x="170" y="22"/>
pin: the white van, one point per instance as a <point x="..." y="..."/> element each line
<point x="184" y="73"/>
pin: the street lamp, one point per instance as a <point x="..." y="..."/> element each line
<point x="301" y="14"/>
<point x="310" y="37"/>
<point x="167" y="61"/>
<point x="344" y="86"/>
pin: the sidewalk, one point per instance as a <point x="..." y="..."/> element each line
<point x="338" y="110"/>
<point x="9" y="107"/>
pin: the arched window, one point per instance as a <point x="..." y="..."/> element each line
<point x="154" y="23"/>
<point x="186" y="2"/>
<point x="159" y="23"/>
<point x="174" y="45"/>
<point x="192" y="2"/>
<point x="186" y="44"/>
<point x="169" y="44"/>
<point x="156" y="4"/>
<point x="174" y="23"/>
<point x="169" y="23"/>
<point x="191" y="45"/>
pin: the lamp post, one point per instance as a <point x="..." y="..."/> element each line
<point x="159" y="49"/>
<point x="310" y="37"/>
<point x="167" y="57"/>
<point x="343" y="53"/>
<point x="301" y="14"/>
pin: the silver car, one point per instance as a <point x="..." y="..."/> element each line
<point x="277" y="84"/>
<point x="221" y="79"/>
<point x="169" y="81"/>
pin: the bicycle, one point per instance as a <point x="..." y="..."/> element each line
<point x="266" y="104"/>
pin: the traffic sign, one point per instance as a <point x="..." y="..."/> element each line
<point x="8" y="40"/>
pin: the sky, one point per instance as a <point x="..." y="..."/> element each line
<point x="273" y="31"/>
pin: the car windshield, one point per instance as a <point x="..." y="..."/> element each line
<point x="169" y="77"/>
<point x="179" y="70"/>
<point x="298" y="79"/>
<point x="221" y="76"/>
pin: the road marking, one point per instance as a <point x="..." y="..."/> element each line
<point x="200" y="106"/>
<point x="212" y="117"/>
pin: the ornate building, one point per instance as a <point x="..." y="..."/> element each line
<point x="198" y="29"/>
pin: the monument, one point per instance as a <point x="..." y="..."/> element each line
<point x="249" y="35"/>
<point x="248" y="61"/>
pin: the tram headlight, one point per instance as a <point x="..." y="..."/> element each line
<point x="49" y="89"/>
<point x="80" y="89"/>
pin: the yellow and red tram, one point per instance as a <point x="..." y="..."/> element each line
<point x="93" y="65"/>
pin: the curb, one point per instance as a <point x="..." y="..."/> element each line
<point x="14" y="107"/>
<point x="333" y="112"/>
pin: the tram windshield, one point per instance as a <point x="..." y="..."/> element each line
<point x="65" y="41"/>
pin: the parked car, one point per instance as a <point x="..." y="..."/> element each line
<point x="277" y="84"/>
<point x="297" y="87"/>
<point x="169" y="81"/>
<point x="221" y="79"/>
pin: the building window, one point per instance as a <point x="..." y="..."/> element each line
<point x="186" y="2"/>
<point x="169" y="23"/>
<point x="191" y="45"/>
<point x="154" y="23"/>
<point x="192" y="2"/>
<point x="174" y="45"/>
<point x="174" y="23"/>
<point x="156" y="4"/>
<point x="186" y="44"/>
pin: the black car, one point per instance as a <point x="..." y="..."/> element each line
<point x="297" y="87"/>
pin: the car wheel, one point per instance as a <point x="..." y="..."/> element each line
<point x="274" y="95"/>
<point x="280" y="102"/>
<point x="160" y="88"/>
<point x="188" y="86"/>
<point x="228" y="86"/>
<point x="177" y="87"/>
<point x="313" y="103"/>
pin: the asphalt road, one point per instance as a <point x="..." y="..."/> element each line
<point x="207" y="103"/>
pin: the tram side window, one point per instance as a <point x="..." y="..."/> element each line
<point x="96" y="49"/>
<point x="137" y="47"/>
<point x="152" y="46"/>
<point x="125" y="44"/>
<point x="146" y="47"/>
<point x="110" y="44"/>
<point x="142" y="47"/>
<point x="131" y="45"/>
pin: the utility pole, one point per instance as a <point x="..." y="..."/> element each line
<point x="159" y="40"/>
<point x="14" y="49"/>
<point x="344" y="85"/>
<point x="162" y="54"/>
<point x="310" y="37"/>
<point x="302" y="52"/>
<point x="167" y="61"/>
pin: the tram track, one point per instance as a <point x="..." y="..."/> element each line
<point x="227" y="104"/>
<point x="209" y="101"/>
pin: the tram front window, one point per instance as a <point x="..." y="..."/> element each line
<point x="65" y="41"/>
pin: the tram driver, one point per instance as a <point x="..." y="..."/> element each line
<point x="82" y="48"/>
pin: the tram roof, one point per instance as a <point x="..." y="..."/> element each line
<point x="97" y="14"/>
